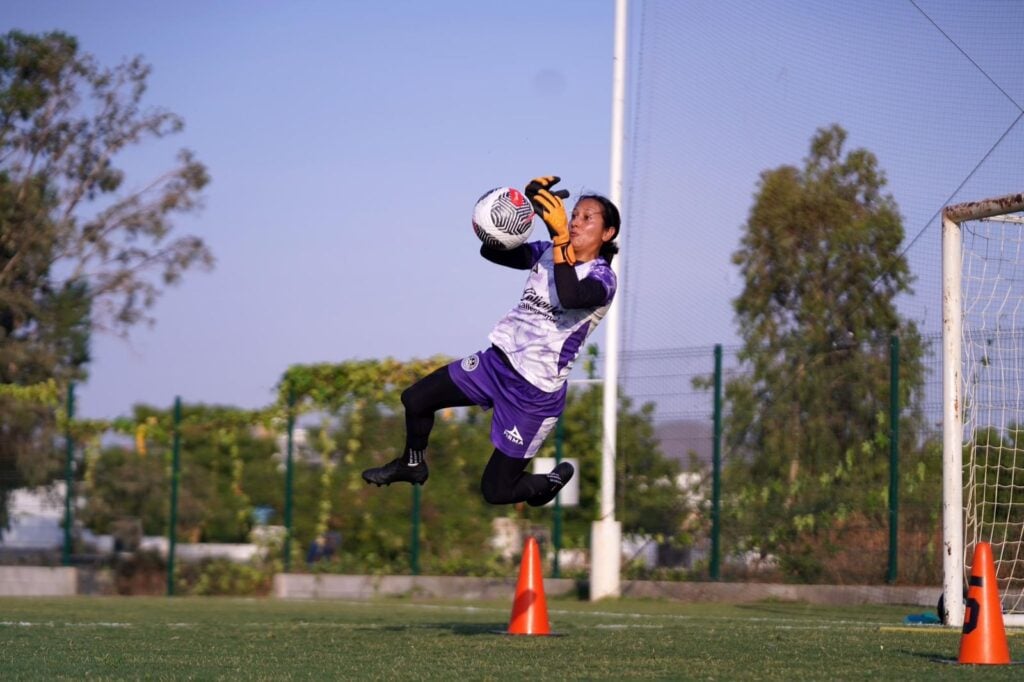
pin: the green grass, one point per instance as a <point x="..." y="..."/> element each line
<point x="212" y="638"/>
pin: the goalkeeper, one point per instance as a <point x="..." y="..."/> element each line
<point x="522" y="375"/>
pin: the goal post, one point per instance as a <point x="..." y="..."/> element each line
<point x="983" y="397"/>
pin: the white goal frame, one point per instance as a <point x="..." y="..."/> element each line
<point x="953" y="396"/>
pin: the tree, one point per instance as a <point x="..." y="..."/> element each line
<point x="807" y="427"/>
<point x="366" y="428"/>
<point x="80" y="249"/>
<point x="226" y="469"/>
<point x="649" y="500"/>
<point x="233" y="461"/>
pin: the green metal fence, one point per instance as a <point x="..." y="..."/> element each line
<point x="686" y="389"/>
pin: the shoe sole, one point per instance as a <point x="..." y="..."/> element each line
<point x="370" y="481"/>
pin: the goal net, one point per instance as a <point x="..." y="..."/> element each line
<point x="983" y="397"/>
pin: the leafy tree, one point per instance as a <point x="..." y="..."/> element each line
<point x="807" y="428"/>
<point x="985" y="461"/>
<point x="80" y="247"/>
<point x="231" y="462"/>
<point x="227" y="469"/>
<point x="652" y="501"/>
<point x="362" y="398"/>
<point x="648" y="498"/>
<point x="125" y="484"/>
<point x="365" y="428"/>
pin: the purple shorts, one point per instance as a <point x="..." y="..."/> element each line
<point x="523" y="414"/>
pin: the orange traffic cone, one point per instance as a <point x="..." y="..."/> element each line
<point x="984" y="637"/>
<point x="530" y="609"/>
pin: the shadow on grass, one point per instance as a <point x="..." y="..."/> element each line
<point x="461" y="629"/>
<point x="935" y="656"/>
<point x="788" y="608"/>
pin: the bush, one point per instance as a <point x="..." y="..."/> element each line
<point x="219" y="577"/>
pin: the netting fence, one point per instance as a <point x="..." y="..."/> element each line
<point x="250" y="493"/>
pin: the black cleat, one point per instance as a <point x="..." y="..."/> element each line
<point x="558" y="477"/>
<point x="397" y="470"/>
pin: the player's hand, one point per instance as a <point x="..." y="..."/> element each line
<point x="548" y="205"/>
<point x="546" y="182"/>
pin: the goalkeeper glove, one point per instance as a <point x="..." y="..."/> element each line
<point x="548" y="205"/>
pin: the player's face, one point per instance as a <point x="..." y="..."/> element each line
<point x="587" y="230"/>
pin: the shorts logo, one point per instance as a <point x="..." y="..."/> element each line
<point x="471" y="362"/>
<point x="513" y="435"/>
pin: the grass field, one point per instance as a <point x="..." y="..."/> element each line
<point x="211" y="638"/>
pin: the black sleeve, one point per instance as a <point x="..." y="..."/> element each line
<point x="518" y="258"/>
<point x="576" y="293"/>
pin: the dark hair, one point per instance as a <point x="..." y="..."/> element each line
<point x="610" y="214"/>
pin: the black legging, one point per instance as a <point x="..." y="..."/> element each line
<point x="505" y="480"/>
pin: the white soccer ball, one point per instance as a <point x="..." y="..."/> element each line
<point x="503" y="218"/>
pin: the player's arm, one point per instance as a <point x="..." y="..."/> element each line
<point x="574" y="292"/>
<point x="520" y="258"/>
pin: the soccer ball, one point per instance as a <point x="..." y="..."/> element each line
<point x="503" y="218"/>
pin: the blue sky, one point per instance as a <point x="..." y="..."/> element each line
<point x="348" y="140"/>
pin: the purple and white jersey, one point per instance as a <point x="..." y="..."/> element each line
<point x="540" y="337"/>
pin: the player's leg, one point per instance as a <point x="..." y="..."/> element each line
<point x="522" y="420"/>
<point x="505" y="481"/>
<point x="421" y="400"/>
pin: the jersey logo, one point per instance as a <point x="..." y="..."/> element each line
<point x="471" y="362"/>
<point x="513" y="435"/>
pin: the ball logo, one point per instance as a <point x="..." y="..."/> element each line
<point x="471" y="362"/>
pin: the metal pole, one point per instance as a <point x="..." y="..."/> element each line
<point x="556" y="531"/>
<point x="716" y="468"/>
<point x="69" y="478"/>
<point x="612" y="326"/>
<point x="172" y="531"/>
<point x="952" y="428"/>
<point x="606" y="532"/>
<point x="894" y="455"/>
<point x="289" y="478"/>
<point x="414" y="550"/>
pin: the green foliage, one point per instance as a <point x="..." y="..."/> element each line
<point x="223" y="578"/>
<point x="63" y="122"/>
<point x="123" y="484"/>
<point x="226" y="469"/>
<point x="376" y="523"/>
<point x="359" y="424"/>
<point x="332" y="386"/>
<point x="806" y="428"/>
<point x="652" y="501"/>
<point x="649" y="501"/>
<point x="78" y="250"/>
<point x="987" y="457"/>
<point x="46" y="393"/>
<point x="234" y="460"/>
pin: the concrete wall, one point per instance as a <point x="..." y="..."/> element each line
<point x="324" y="586"/>
<point x="835" y="595"/>
<point x="38" y="581"/>
<point x="196" y="552"/>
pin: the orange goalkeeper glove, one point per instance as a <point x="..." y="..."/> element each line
<point x="548" y="205"/>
